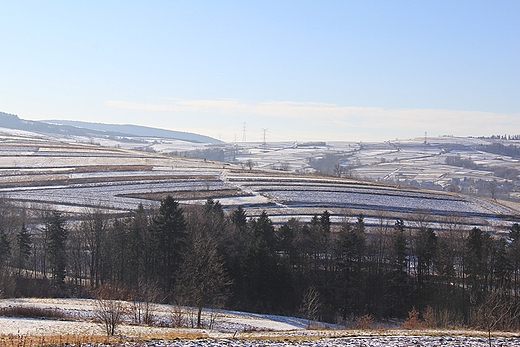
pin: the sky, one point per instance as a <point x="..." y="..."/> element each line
<point x="302" y="70"/>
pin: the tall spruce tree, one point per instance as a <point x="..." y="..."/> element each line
<point x="426" y="250"/>
<point x="398" y="280"/>
<point x="265" y="277"/>
<point x="477" y="256"/>
<point x="139" y="248"/>
<point x="351" y="250"/>
<point x="56" y="236"/>
<point x="325" y="221"/>
<point x="239" y="219"/>
<point x="23" y="240"/>
<point x="169" y="236"/>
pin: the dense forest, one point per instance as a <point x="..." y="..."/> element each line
<point x="501" y="149"/>
<point x="203" y="256"/>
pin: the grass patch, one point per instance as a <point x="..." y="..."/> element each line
<point x="17" y="340"/>
<point x="31" y="312"/>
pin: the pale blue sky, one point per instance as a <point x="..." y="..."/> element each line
<point x="304" y="70"/>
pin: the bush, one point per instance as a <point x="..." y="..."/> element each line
<point x="364" y="322"/>
<point x="178" y="316"/>
<point x="413" y="321"/>
<point x="442" y="318"/>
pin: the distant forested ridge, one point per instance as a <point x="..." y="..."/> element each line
<point x="203" y="256"/>
<point x="137" y="130"/>
<point x="501" y="149"/>
<point x="63" y="127"/>
<point x="12" y="121"/>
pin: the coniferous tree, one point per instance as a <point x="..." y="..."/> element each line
<point x="5" y="249"/>
<point x="477" y="248"/>
<point x="168" y="231"/>
<point x="513" y="253"/>
<point x="139" y="248"/>
<point x="350" y="254"/>
<point x="23" y="240"/>
<point x="259" y="262"/>
<point x="56" y="236"/>
<point x="445" y="293"/>
<point x="325" y="221"/>
<point x="286" y="236"/>
<point x="235" y="256"/>
<point x="5" y="275"/>
<point x="426" y="250"/>
<point x="292" y="245"/>
<point x="239" y="219"/>
<point x="399" y="274"/>
<point x="116" y="253"/>
<point x="400" y="250"/>
<point x="266" y="279"/>
<point x="501" y="267"/>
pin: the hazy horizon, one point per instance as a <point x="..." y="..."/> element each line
<point x="302" y="70"/>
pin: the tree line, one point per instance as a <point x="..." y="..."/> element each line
<point x="501" y="149"/>
<point x="204" y="256"/>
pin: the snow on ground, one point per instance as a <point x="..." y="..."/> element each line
<point x="71" y="176"/>
<point x="232" y="328"/>
<point x="377" y="341"/>
<point x="85" y="310"/>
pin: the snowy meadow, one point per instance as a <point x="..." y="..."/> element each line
<point x="276" y="184"/>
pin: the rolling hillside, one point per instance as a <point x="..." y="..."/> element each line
<point x="70" y="176"/>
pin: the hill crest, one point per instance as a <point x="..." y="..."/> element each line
<point x="136" y="130"/>
<point x="78" y="128"/>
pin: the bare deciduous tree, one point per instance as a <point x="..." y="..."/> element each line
<point x="110" y="309"/>
<point x="143" y="303"/>
<point x="178" y="316"/>
<point x="204" y="279"/>
<point x="497" y="311"/>
<point x="311" y="305"/>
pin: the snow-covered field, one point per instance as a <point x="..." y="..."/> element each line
<point x="227" y="329"/>
<point x="358" y="341"/>
<point x="80" y="311"/>
<point x="70" y="176"/>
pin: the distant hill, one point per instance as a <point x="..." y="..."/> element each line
<point x="76" y="128"/>
<point x="136" y="130"/>
<point x="12" y="121"/>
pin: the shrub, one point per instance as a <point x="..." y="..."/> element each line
<point x="413" y="321"/>
<point x="178" y="316"/>
<point x="31" y="312"/>
<point x="365" y="321"/>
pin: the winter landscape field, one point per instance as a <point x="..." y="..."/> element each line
<point x="73" y="173"/>
<point x="408" y="180"/>
<point x="79" y="325"/>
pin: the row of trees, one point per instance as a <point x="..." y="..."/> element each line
<point x="501" y="149"/>
<point x="504" y="137"/>
<point x="205" y="257"/>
